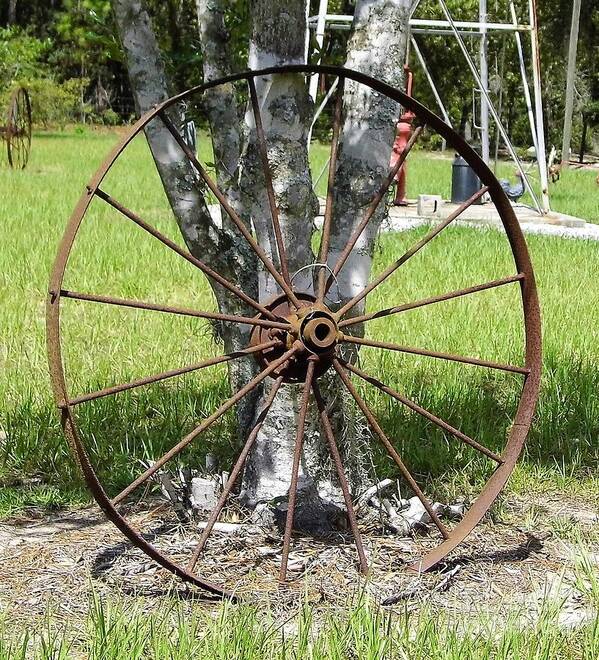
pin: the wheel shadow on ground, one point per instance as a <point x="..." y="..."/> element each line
<point x="105" y="560"/>
<point x="125" y="428"/>
<point x="516" y="553"/>
<point x="562" y="435"/>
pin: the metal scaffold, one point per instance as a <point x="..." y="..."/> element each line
<point x="488" y="112"/>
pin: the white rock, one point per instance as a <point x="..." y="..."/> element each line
<point x="203" y="493"/>
<point x="227" y="528"/>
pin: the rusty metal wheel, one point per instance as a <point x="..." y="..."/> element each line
<point x="298" y="336"/>
<point x="18" y="129"/>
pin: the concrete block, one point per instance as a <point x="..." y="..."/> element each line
<point x="429" y="205"/>
<point x="203" y="493"/>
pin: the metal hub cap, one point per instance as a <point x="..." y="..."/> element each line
<point x="319" y="332"/>
<point x="312" y="330"/>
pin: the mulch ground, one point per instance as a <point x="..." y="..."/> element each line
<point x="58" y="560"/>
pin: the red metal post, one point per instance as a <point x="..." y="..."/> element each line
<point x="403" y="130"/>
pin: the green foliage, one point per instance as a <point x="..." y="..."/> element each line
<point x="24" y="61"/>
<point x="22" y="56"/>
<point x="77" y="55"/>
<point x="78" y="39"/>
<point x="167" y="628"/>
<point x="54" y="103"/>
<point x="85" y="36"/>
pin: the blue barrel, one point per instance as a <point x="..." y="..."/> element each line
<point x="464" y="182"/>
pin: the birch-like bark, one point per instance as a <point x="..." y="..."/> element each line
<point x="377" y="47"/>
<point x="223" y="250"/>
<point x="220" y="102"/>
<point x="149" y="85"/>
<point x="12" y="12"/>
<point x="224" y="117"/>
<point x="278" y="38"/>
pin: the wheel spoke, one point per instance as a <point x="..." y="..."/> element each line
<point x="274" y="211"/>
<point x="412" y="251"/>
<point x="423" y="412"/>
<point x="185" y="254"/>
<point x="170" y="309"/>
<point x="390" y="449"/>
<point x="180" y="446"/>
<point x="374" y="204"/>
<point x="249" y="443"/>
<point x="435" y="354"/>
<point x="430" y="301"/>
<point x="351" y="514"/>
<point x="297" y="455"/>
<point x="328" y="213"/>
<point x="139" y="382"/>
<point x="229" y="210"/>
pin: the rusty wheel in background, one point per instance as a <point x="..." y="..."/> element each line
<point x="298" y="336"/>
<point x="17" y="132"/>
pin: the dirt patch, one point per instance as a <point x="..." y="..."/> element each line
<point x="504" y="567"/>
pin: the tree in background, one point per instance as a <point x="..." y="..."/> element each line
<point x="67" y="53"/>
<point x="85" y="48"/>
<point x="377" y="46"/>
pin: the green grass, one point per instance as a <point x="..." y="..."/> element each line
<point x="108" y="345"/>
<point x="168" y="628"/>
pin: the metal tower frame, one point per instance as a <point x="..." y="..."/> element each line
<point x="480" y="29"/>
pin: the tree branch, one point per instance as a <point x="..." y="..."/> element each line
<point x="150" y="86"/>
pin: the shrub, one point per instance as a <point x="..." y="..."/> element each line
<point x="56" y="104"/>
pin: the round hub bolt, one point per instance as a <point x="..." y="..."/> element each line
<point x="319" y="334"/>
<point x="314" y="326"/>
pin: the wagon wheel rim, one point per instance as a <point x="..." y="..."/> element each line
<point x="299" y="344"/>
<point x="18" y="129"/>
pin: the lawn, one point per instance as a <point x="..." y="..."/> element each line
<point x="106" y="345"/>
<point x="174" y="629"/>
<point x="110" y="345"/>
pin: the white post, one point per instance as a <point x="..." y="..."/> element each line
<point x="431" y="82"/>
<point x="536" y="77"/>
<point x="484" y="76"/>
<point x="323" y="103"/>
<point x="527" y="97"/>
<point x="572" y="50"/>
<point x="320" y="29"/>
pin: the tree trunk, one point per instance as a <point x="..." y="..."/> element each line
<point x="220" y="102"/>
<point x="223" y="250"/>
<point x="12" y="12"/>
<point x="227" y="138"/>
<point x="377" y="46"/>
<point x="583" y="137"/>
<point x="277" y="38"/>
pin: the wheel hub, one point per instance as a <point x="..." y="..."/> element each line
<point x="313" y="325"/>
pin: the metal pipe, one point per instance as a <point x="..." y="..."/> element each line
<point x="572" y="50"/>
<point x="484" y="76"/>
<point x="433" y="87"/>
<point x="527" y="97"/>
<point x="321" y="22"/>
<point x="536" y="78"/>
<point x="425" y="22"/>
<point x="492" y="109"/>
<point x="417" y="30"/>
<point x="323" y="103"/>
